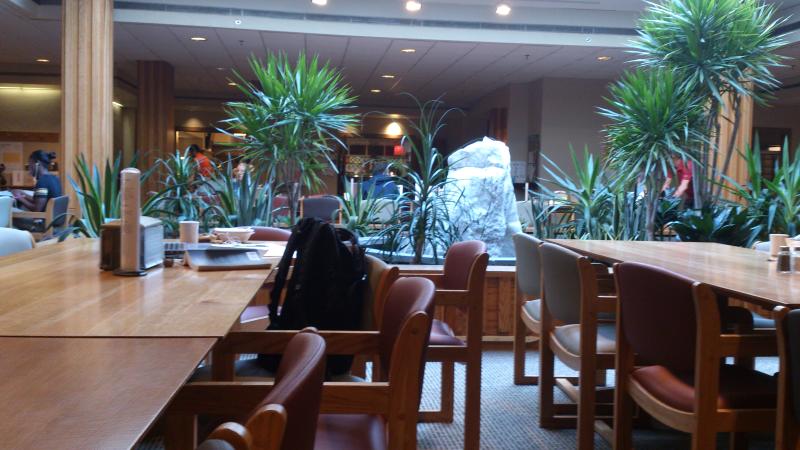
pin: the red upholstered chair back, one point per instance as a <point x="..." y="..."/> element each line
<point x="562" y="282"/>
<point x="458" y="264"/>
<point x="406" y="298"/>
<point x="270" y="234"/>
<point x="298" y="388"/>
<point x="658" y="315"/>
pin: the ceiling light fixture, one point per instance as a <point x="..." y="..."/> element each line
<point x="231" y="83"/>
<point x="375" y="91"/>
<point x="42" y="60"/>
<point x="393" y="129"/>
<point x="220" y="68"/>
<point x="388" y="76"/>
<point x="320" y="2"/>
<point x="198" y="38"/>
<point x="116" y="104"/>
<point x="604" y="58"/>
<point x="408" y="50"/>
<point x="413" y="5"/>
<point x="503" y="9"/>
<point x="774" y="148"/>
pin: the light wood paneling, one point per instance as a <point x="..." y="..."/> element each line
<point x="155" y="114"/>
<point x="738" y="272"/>
<point x="87" y="82"/>
<point x="58" y="290"/>
<point x="89" y="393"/>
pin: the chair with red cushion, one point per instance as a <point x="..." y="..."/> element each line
<point x="270" y="234"/>
<point x="670" y="361"/>
<point x="286" y="418"/>
<point x="460" y="285"/>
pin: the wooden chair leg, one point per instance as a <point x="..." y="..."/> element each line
<point x="520" y="350"/>
<point x="586" y="405"/>
<point x="546" y="383"/>
<point x="738" y="441"/>
<point x="447" y="394"/>
<point x="704" y="438"/>
<point x="472" y="419"/>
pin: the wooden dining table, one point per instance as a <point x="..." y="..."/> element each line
<point x="89" y="359"/>
<point x="742" y="273"/>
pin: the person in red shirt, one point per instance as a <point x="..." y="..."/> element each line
<point x="683" y="171"/>
<point x="204" y="167"/>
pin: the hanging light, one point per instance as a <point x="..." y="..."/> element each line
<point x="393" y="129"/>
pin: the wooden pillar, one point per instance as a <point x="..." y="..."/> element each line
<point x="155" y="116"/>
<point x="87" y="83"/>
<point x="737" y="169"/>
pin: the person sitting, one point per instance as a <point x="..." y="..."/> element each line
<point x="381" y="184"/>
<point x="47" y="185"/>
<point x="204" y="167"/>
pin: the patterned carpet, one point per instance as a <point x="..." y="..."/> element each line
<point x="509" y="419"/>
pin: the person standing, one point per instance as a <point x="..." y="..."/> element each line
<point x="204" y="166"/>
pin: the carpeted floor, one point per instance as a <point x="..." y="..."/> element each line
<point x="509" y="416"/>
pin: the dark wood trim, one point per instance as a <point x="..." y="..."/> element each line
<point x="29" y="136"/>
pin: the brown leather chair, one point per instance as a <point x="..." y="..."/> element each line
<point x="527" y="311"/>
<point x="460" y="285"/>
<point x="570" y="310"/>
<point x="787" y="430"/>
<point x="286" y="418"/>
<point x="670" y="354"/>
<point x="270" y="234"/>
<point x="376" y="415"/>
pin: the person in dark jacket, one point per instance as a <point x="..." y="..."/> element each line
<point x="382" y="183"/>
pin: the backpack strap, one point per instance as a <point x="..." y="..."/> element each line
<point x="300" y="233"/>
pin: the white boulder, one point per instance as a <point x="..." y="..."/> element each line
<point x="481" y="195"/>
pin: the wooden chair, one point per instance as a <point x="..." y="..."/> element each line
<point x="461" y="285"/>
<point x="669" y="361"/>
<point x="787" y="430"/>
<point x="324" y="207"/>
<point x="570" y="310"/>
<point x="55" y="210"/>
<point x="287" y="416"/>
<point x="379" y="414"/>
<point x="270" y="234"/>
<point x="527" y="311"/>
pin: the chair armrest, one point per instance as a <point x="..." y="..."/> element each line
<point x="355" y="398"/>
<point x="229" y="397"/>
<point x="29" y="215"/>
<point x="607" y="303"/>
<point x="746" y="345"/>
<point x="435" y="277"/>
<point x="274" y="341"/>
<point x="448" y="297"/>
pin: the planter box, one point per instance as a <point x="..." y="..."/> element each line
<point x="499" y="302"/>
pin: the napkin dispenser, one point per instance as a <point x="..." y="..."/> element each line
<point x="151" y="243"/>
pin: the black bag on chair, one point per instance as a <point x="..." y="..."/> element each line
<point x="326" y="287"/>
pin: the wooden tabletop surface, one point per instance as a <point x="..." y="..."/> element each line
<point x="89" y="393"/>
<point x="59" y="290"/>
<point x="740" y="272"/>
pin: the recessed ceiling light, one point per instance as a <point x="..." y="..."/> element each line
<point x="221" y="68"/>
<point x="413" y="5"/>
<point x="42" y="60"/>
<point x="388" y="76"/>
<point x="375" y="91"/>
<point x="198" y="38"/>
<point x="408" y="50"/>
<point x="237" y="22"/>
<point x="503" y="9"/>
<point x="231" y="83"/>
<point x="604" y="58"/>
<point x="320" y="2"/>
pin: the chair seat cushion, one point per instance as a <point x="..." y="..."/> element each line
<point x="569" y="336"/>
<point x="534" y="309"/>
<point x="351" y="432"/>
<point x="738" y="387"/>
<point x="442" y="334"/>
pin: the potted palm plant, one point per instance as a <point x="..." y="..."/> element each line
<point x="290" y="121"/>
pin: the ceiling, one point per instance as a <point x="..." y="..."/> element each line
<point x="462" y="71"/>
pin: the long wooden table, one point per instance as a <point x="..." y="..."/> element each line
<point x="738" y="272"/>
<point x="59" y="290"/>
<point x="89" y="393"/>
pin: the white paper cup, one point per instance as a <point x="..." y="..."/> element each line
<point x="776" y="241"/>
<point x="189" y="231"/>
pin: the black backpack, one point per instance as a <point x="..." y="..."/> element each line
<point x="326" y="288"/>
